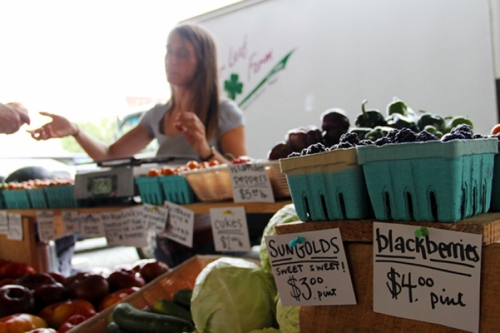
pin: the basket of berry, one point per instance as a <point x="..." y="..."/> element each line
<point x="326" y="183"/>
<point x="419" y="177"/>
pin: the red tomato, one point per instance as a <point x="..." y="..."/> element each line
<point x="154" y="172"/>
<point x="495" y="129"/>
<point x="20" y="323"/>
<point x="14" y="270"/>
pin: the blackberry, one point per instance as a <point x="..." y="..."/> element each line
<point x="315" y="148"/>
<point x="303" y="152"/>
<point x="350" y="138"/>
<point x="345" y="145"/>
<point x="465" y="129"/>
<point x="294" y="154"/>
<point x="426" y="136"/>
<point x="392" y="135"/>
<point x="478" y="136"/>
<point x="453" y="136"/>
<point x="366" y="143"/>
<point x="405" y="135"/>
<point x="382" y="141"/>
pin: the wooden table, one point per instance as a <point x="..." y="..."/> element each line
<point x="358" y="244"/>
<point x="29" y="251"/>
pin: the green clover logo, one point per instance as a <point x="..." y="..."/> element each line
<point x="233" y="86"/>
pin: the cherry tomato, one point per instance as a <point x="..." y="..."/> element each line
<point x="495" y="129"/>
<point x="154" y="172"/>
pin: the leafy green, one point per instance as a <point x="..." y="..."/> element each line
<point x="233" y="293"/>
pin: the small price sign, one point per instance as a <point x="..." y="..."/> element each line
<point x="46" y="226"/>
<point x="91" y="225"/>
<point x="229" y="226"/>
<point x="250" y="183"/>
<point x="4" y="223"/>
<point x="15" y="227"/>
<point x="180" y="224"/>
<point x="427" y="274"/>
<point x="70" y="222"/>
<point x="311" y="268"/>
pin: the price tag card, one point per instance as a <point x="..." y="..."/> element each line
<point x="134" y="227"/>
<point x="91" y="226"/>
<point x="250" y="183"/>
<point x="15" y="227"/>
<point x="113" y="227"/>
<point x="46" y="226"/>
<point x="156" y="217"/>
<point x="310" y="268"/>
<point x="4" y="223"/>
<point x="427" y="274"/>
<point x="180" y="224"/>
<point x="70" y="222"/>
<point x="229" y="226"/>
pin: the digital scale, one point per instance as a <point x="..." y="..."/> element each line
<point x="114" y="181"/>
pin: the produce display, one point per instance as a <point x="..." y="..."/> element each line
<point x="29" y="299"/>
<point x="370" y="125"/>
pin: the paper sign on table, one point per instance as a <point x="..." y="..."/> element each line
<point x="70" y="222"/>
<point x="180" y="224"/>
<point x="156" y="217"/>
<point x="46" y="225"/>
<point x="134" y="227"/>
<point x="310" y="268"/>
<point x="250" y="183"/>
<point x="4" y="223"/>
<point x="15" y="227"/>
<point x="113" y="227"/>
<point x="432" y="278"/>
<point x="229" y="226"/>
<point x="91" y="226"/>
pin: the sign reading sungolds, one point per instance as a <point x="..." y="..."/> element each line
<point x="311" y="268"/>
<point x="433" y="278"/>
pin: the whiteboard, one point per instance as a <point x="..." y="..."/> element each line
<point x="435" y="55"/>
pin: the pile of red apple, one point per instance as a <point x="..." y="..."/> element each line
<point x="31" y="301"/>
<point x="334" y="123"/>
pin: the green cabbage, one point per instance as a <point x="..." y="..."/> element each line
<point x="288" y="317"/>
<point x="233" y="295"/>
<point x="286" y="214"/>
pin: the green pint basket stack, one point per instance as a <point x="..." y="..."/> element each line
<point x="150" y="190"/>
<point x="429" y="181"/>
<point x="176" y="189"/>
<point x="327" y="186"/>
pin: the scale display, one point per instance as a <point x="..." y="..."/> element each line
<point x="102" y="186"/>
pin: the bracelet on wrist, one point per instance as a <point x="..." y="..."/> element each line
<point x="209" y="157"/>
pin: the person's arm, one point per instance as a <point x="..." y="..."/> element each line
<point x="233" y="142"/>
<point x="12" y="117"/>
<point x="128" y="145"/>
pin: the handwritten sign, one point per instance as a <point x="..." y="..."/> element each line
<point x="433" y="278"/>
<point x="134" y="227"/>
<point x="70" y="222"/>
<point x="4" y="223"/>
<point x="180" y="224"/>
<point x="312" y="270"/>
<point x="15" y="227"/>
<point x="46" y="226"/>
<point x="91" y="226"/>
<point x="156" y="217"/>
<point x="250" y="183"/>
<point x="113" y="227"/>
<point x="229" y="226"/>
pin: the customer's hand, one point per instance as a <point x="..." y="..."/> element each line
<point x="12" y="117"/>
<point x="59" y="127"/>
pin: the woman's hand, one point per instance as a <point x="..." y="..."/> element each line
<point x="194" y="132"/>
<point x="59" y="127"/>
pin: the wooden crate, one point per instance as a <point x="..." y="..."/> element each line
<point x="164" y="286"/>
<point x="358" y="244"/>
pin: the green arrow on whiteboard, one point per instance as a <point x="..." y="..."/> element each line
<point x="278" y="67"/>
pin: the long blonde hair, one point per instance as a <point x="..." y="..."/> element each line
<point x="205" y="83"/>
